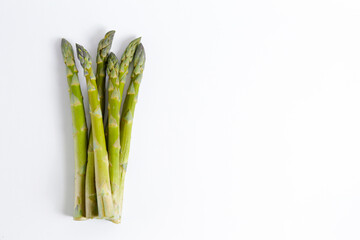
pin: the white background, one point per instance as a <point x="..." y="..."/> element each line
<point x="247" y="125"/>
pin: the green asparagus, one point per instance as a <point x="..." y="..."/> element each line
<point x="128" y="114"/>
<point x="114" y="103"/>
<point x="102" y="178"/>
<point x="101" y="155"/>
<point x="114" y="120"/>
<point x="79" y="128"/>
<point x="90" y="189"/>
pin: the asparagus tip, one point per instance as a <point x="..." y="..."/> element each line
<point x="79" y="49"/>
<point x="139" y="57"/>
<point x="66" y="47"/>
<point x="110" y="34"/>
<point x="63" y="42"/>
<point x="137" y="40"/>
<point x="82" y="54"/>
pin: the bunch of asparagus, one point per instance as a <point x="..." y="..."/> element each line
<point x="101" y="155"/>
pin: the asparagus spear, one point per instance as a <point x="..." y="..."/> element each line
<point x="114" y="103"/>
<point x="128" y="114"/>
<point x="102" y="178"/>
<point x="102" y="54"/>
<point x="79" y="128"/>
<point x="90" y="189"/>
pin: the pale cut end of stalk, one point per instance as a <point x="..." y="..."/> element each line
<point x="121" y="190"/>
<point x="78" y="216"/>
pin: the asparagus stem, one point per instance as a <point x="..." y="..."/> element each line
<point x="128" y="114"/>
<point x="102" y="178"/>
<point x="114" y="103"/>
<point x="122" y="185"/>
<point x="90" y="190"/>
<point x="79" y="128"/>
